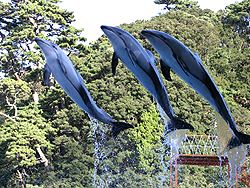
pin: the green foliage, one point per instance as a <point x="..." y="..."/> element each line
<point x="177" y="4"/>
<point x="194" y="176"/>
<point x="238" y="18"/>
<point x="147" y="138"/>
<point x="61" y="129"/>
<point x="20" y="140"/>
<point x="22" y="21"/>
<point x="13" y="93"/>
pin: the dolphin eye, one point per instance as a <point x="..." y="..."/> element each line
<point x="54" y="46"/>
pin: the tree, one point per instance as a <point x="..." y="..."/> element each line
<point x="25" y="130"/>
<point x="23" y="20"/>
<point x="147" y="136"/>
<point x="177" y="4"/>
<point x="24" y="145"/>
<point x="238" y="18"/>
<point x="48" y="144"/>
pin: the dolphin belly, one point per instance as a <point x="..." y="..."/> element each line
<point x="140" y="74"/>
<point x="70" y="89"/>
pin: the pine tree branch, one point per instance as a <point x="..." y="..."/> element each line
<point x="21" y="182"/>
<point x="14" y="103"/>
<point x="2" y="36"/>
<point x="17" y="77"/>
<point x="44" y="159"/>
<point x="7" y="116"/>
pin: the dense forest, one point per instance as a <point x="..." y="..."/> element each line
<point x="46" y="140"/>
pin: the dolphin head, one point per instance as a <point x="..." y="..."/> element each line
<point x="117" y="36"/>
<point x="50" y="50"/>
<point x="160" y="41"/>
<point x="166" y="45"/>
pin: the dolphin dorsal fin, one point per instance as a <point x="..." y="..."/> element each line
<point x="114" y="63"/>
<point x="165" y="70"/>
<point x="46" y="74"/>
<point x="152" y="57"/>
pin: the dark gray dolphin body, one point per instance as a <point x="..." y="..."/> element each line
<point x="141" y="63"/>
<point x="189" y="67"/>
<point x="73" y="84"/>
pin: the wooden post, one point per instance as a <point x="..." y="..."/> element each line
<point x="236" y="183"/>
<point x="171" y="173"/>
<point x="229" y="185"/>
<point x="176" y="173"/>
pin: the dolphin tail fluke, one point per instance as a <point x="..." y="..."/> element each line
<point x="118" y="127"/>
<point x="238" y="139"/>
<point x="177" y="123"/>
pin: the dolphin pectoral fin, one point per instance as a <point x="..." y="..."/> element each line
<point x="46" y="74"/>
<point x="61" y="64"/>
<point x="114" y="62"/>
<point x="132" y="56"/>
<point x="182" y="64"/>
<point x="63" y="68"/>
<point x="84" y="95"/>
<point x="118" y="127"/>
<point x="152" y="57"/>
<point x="165" y="70"/>
<point x="177" y="123"/>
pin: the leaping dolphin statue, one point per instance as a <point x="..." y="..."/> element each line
<point x="141" y="63"/>
<point x="72" y="83"/>
<point x="189" y="67"/>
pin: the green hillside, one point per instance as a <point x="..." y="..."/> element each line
<point x="52" y="144"/>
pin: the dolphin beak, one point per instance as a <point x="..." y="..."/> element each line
<point x="147" y="33"/>
<point x="111" y="33"/>
<point x="103" y="27"/>
<point x="151" y="34"/>
<point x="107" y="29"/>
<point x="39" y="41"/>
<point x="45" y="46"/>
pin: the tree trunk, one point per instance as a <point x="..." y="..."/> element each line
<point x="44" y="159"/>
<point x="35" y="97"/>
<point x="21" y="183"/>
<point x="17" y="77"/>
